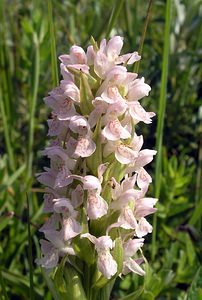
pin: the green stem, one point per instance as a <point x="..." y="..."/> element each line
<point x="54" y="68"/>
<point x="136" y="66"/>
<point x="6" y="133"/>
<point x="5" y="66"/>
<point x="161" y="116"/>
<point x="33" y="106"/>
<point x="5" y="97"/>
<point x="128" y="20"/>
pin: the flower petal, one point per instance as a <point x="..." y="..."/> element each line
<point x="77" y="196"/>
<point x="132" y="266"/>
<point x="50" y="257"/>
<point x="132" y="246"/>
<point x="96" y="206"/>
<point x="85" y="146"/>
<point x="114" y="47"/>
<point x="138" y="90"/>
<point x="70" y="228"/>
<point x="79" y="124"/>
<point x="143" y="228"/>
<point x="106" y="264"/>
<point x="114" y="131"/>
<point x="125" y="155"/>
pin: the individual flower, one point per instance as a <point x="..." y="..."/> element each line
<point x="106" y="264"/>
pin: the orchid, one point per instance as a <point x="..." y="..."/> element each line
<point x="97" y="182"/>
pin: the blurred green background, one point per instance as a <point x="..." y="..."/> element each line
<point x="172" y="64"/>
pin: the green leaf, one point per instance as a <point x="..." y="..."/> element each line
<point x="59" y="277"/>
<point x="74" y="284"/>
<point x="83" y="247"/>
<point x="3" y="287"/>
<point x="4" y="220"/>
<point x="54" y="68"/>
<point x="86" y="95"/>
<point x="118" y="254"/>
<point x="17" y="281"/>
<point x="84" y="250"/>
<point x="116" y="170"/>
<point x="195" y="290"/>
<point x="96" y="158"/>
<point x="50" y="285"/>
<point x="13" y="178"/>
<point x="135" y="295"/>
<point x="191" y="255"/>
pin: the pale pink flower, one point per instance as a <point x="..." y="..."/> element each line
<point x="130" y="264"/>
<point x="143" y="179"/>
<point x="76" y="56"/>
<point x="48" y="199"/>
<point x="52" y="223"/>
<point x="90" y="55"/>
<point x="47" y="178"/>
<point x="62" y="105"/>
<point x="96" y="205"/>
<point x="83" y="146"/>
<point x="108" y="56"/>
<point x="80" y="125"/>
<point x="124" y="193"/>
<point x="50" y="255"/>
<point x="144" y="207"/>
<point x="90" y="182"/>
<point x="56" y="126"/>
<point x="124" y="153"/>
<point x="51" y="250"/>
<point x="138" y="113"/>
<point x="114" y="131"/>
<point x="138" y="89"/>
<point x="132" y="246"/>
<point x="106" y="263"/>
<point x="144" y="157"/>
<point x="143" y="228"/>
<point x="70" y="228"/>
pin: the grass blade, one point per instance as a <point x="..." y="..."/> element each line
<point x="161" y="116"/>
<point x="12" y="178"/>
<point x="3" y="288"/>
<point x="30" y="257"/>
<point x="54" y="67"/>
<point x="136" y="66"/>
<point x="35" y="85"/>
<point x="114" y="16"/>
<point x="6" y="133"/>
